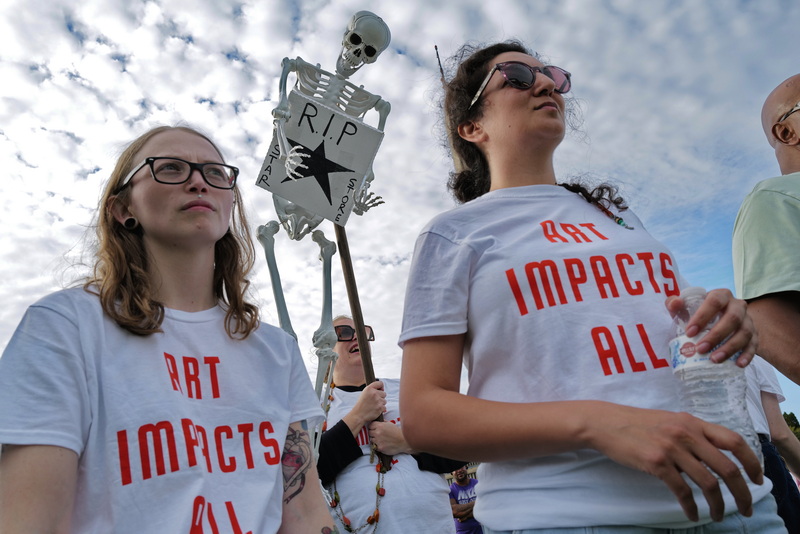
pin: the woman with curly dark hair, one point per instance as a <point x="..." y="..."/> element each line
<point x="553" y="296"/>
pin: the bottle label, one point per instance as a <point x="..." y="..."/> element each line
<point x="684" y="355"/>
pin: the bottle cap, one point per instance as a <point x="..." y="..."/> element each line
<point x="693" y="291"/>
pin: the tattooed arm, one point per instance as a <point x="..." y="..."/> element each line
<point x="304" y="508"/>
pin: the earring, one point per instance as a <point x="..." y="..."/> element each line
<point x="130" y="223"/>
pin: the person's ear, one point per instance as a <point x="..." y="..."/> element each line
<point x="471" y="131"/>
<point x="119" y="210"/>
<point x="785" y="134"/>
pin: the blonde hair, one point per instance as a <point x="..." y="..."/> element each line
<point x="120" y="276"/>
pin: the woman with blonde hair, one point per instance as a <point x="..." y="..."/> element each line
<point x="152" y="399"/>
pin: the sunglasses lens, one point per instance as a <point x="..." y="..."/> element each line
<point x="344" y="332"/>
<point x="522" y="76"/>
<point x="560" y="77"/>
<point x="347" y="333"/>
<point x="518" y="75"/>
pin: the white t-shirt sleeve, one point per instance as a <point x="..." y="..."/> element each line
<point x="437" y="293"/>
<point x="768" y="380"/>
<point x="42" y="375"/>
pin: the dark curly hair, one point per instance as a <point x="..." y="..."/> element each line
<point x="471" y="178"/>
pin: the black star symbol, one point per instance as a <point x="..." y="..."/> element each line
<point x="319" y="167"/>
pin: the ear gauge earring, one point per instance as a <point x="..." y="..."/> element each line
<point x="131" y="223"/>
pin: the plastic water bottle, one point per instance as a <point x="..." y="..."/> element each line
<point x="714" y="392"/>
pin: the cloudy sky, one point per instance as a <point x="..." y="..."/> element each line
<point x="671" y="92"/>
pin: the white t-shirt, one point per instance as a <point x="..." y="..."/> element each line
<point x="558" y="302"/>
<point x="760" y="377"/>
<point x="415" y="501"/>
<point x="174" y="430"/>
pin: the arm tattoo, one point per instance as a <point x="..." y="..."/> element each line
<point x="297" y="458"/>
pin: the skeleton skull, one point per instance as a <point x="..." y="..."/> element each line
<point x="366" y="37"/>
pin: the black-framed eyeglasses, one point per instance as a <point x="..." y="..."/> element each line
<point x="345" y="332"/>
<point x="177" y="171"/>
<point x="522" y="76"/>
<point x="786" y="115"/>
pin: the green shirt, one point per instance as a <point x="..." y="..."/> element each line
<point x="766" y="239"/>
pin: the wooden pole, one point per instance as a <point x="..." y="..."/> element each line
<point x="358" y="319"/>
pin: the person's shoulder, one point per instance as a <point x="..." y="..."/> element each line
<point x="452" y="218"/>
<point x="787" y="184"/>
<point x="274" y="333"/>
<point x="462" y="223"/>
<point x="69" y="297"/>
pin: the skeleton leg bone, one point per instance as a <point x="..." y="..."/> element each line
<point x="325" y="337"/>
<point x="266" y="236"/>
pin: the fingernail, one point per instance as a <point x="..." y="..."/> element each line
<point x="718" y="356"/>
<point x="704" y="347"/>
<point x="693" y="330"/>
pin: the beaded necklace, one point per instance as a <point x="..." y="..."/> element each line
<point x="372" y="520"/>
<point x="380" y="491"/>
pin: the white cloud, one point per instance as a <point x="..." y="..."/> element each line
<point x="671" y="92"/>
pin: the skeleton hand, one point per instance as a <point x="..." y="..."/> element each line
<point x="294" y="161"/>
<point x="364" y="201"/>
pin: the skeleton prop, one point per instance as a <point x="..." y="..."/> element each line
<point x="319" y="166"/>
<point x="319" y="129"/>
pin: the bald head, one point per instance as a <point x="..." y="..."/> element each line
<point x="780" y="100"/>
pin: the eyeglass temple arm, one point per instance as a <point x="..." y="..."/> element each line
<point x="479" y="92"/>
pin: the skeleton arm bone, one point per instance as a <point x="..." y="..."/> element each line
<point x="282" y="112"/>
<point x="383" y="108"/>
<point x="293" y="155"/>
